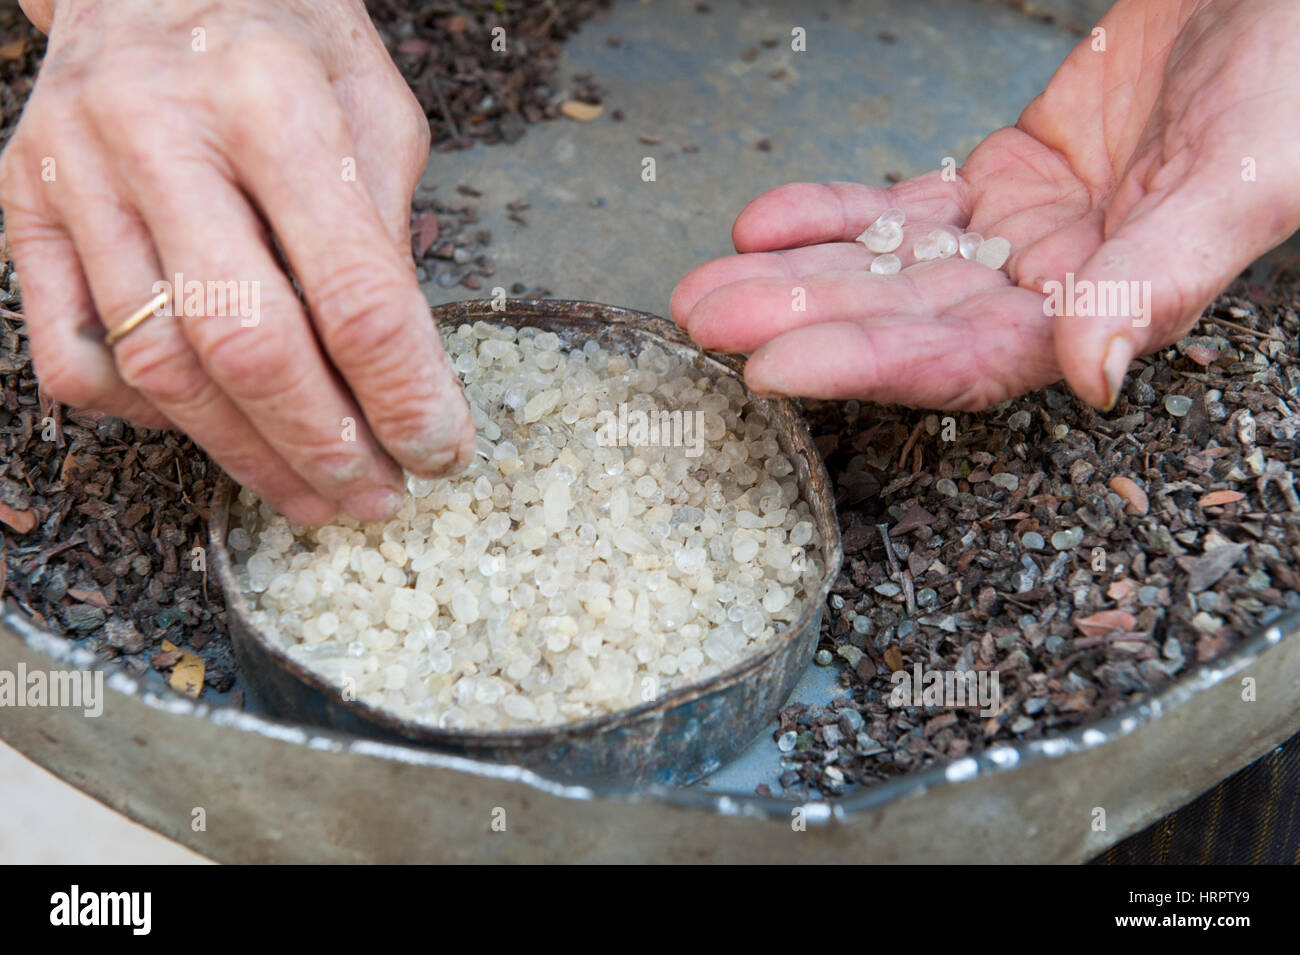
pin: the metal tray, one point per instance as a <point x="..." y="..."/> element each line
<point x="275" y="791"/>
<point x="280" y="790"/>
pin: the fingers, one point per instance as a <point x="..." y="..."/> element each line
<point x="251" y="338"/>
<point x="816" y="226"/>
<point x="62" y="326"/>
<point x="794" y="263"/>
<point x="187" y="140"/>
<point x="66" y="338"/>
<point x="366" y="305"/>
<point x="741" y="316"/>
<point x="989" y="347"/>
<point x="157" y="360"/>
<point x="1148" y="282"/>
<point x="700" y="281"/>
<point x="804" y="213"/>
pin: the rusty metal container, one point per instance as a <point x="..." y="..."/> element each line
<point x="673" y="740"/>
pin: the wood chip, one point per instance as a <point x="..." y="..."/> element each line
<point x="1136" y="497"/>
<point x="187" y="673"/>
<point x="92" y="597"/>
<point x="167" y="659"/>
<point x="1104" y="622"/>
<point x="582" y="112"/>
<point x="1210" y="567"/>
<point x="1122" y="589"/>
<point x="424" y="228"/>
<point x="21" y="521"/>
<point x="1218" y="498"/>
<point x="1202" y="355"/>
<point x="914" y="517"/>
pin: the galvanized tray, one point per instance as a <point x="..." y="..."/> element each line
<point x="277" y="790"/>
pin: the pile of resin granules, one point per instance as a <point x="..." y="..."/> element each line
<point x="628" y="526"/>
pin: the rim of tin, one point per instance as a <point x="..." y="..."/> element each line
<point x="633" y="324"/>
<point x="818" y="811"/>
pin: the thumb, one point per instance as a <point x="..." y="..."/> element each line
<point x="1147" y="283"/>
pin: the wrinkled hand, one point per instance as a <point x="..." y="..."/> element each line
<point x="175" y="138"/>
<point x="1133" y="165"/>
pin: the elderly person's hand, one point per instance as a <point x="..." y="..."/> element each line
<point x="175" y="139"/>
<point x="1172" y="157"/>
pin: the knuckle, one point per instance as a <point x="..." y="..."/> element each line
<point x="254" y="98"/>
<point x="137" y="109"/>
<point x="133" y="131"/>
<point x="250" y="92"/>
<point x="66" y="383"/>
<point x="104" y="97"/>
<point x="167" y="372"/>
<point x="257" y="369"/>
<point x="23" y="161"/>
<point x="117" y="94"/>
<point x="146" y="154"/>
<point x="415" y="131"/>
<point x="361" y="312"/>
<point x="230" y="357"/>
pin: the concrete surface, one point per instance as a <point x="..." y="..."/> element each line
<point x="44" y="821"/>
<point x="850" y="108"/>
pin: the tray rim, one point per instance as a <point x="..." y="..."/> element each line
<point x="996" y="760"/>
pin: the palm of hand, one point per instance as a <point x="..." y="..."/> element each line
<point x="1134" y="165"/>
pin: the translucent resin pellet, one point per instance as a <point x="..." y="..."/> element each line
<point x="993" y="252"/>
<point x="969" y="244"/>
<point x="887" y="264"/>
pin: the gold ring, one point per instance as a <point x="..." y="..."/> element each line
<point x="137" y="319"/>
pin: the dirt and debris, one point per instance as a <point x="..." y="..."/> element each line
<point x="1088" y="559"/>
<point x="484" y="71"/>
<point x="104" y="524"/>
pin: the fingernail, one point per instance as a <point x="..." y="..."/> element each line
<point x="758" y="381"/>
<point x="438" y="465"/>
<point x="1118" y="355"/>
<point x="377" y="504"/>
<point x="442" y="451"/>
<point x="311" y="510"/>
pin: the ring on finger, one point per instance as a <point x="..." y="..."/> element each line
<point x="138" y="318"/>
